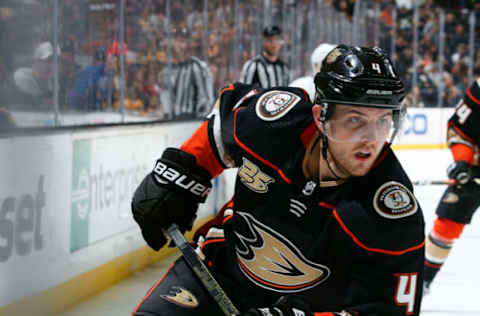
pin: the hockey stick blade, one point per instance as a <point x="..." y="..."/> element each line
<point x="201" y="271"/>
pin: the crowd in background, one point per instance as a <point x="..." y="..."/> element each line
<point x="221" y="34"/>
<point x="452" y="77"/>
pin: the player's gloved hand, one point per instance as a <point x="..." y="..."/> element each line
<point x="170" y="194"/>
<point x="284" y="307"/>
<point x="460" y="171"/>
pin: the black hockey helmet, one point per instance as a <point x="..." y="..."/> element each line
<point x="272" y="30"/>
<point x="358" y="76"/>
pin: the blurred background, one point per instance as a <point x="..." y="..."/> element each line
<point x="115" y="60"/>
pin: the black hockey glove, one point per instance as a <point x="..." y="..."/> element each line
<point x="170" y="194"/>
<point x="460" y="171"/>
<point x="284" y="307"/>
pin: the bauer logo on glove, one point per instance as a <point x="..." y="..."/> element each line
<point x="164" y="174"/>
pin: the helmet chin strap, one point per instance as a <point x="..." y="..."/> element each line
<point x="325" y="157"/>
<point x="323" y="119"/>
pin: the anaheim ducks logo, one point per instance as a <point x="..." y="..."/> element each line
<point x="181" y="297"/>
<point x="394" y="200"/>
<point x="271" y="261"/>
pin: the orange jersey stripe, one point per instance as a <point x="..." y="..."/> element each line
<point x="251" y="152"/>
<point x="210" y="241"/>
<point x="469" y="93"/>
<point x="432" y="265"/>
<point x="381" y="157"/>
<point x="384" y="251"/>
<point x="330" y="206"/>
<point x="230" y="87"/>
<point x="199" y="146"/>
<point x="462" y="134"/>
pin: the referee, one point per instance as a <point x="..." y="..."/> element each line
<point x="267" y="69"/>
<point x="188" y="80"/>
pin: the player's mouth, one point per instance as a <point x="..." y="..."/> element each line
<point x="363" y="155"/>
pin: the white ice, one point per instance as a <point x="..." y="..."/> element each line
<point x="456" y="288"/>
<point x="455" y="291"/>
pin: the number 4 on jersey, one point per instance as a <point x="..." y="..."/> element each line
<point x="463" y="111"/>
<point x="406" y="291"/>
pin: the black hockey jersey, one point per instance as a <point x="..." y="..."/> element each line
<point x="356" y="246"/>
<point x="464" y="124"/>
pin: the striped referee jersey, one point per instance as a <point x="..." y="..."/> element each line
<point x="192" y="92"/>
<point x="264" y="73"/>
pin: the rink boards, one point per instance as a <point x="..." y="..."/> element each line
<point x="65" y="227"/>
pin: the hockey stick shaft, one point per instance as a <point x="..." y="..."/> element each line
<point x="435" y="182"/>
<point x="441" y="182"/>
<point x="201" y="271"/>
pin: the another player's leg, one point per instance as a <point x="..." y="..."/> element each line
<point x="437" y="247"/>
<point x="454" y="211"/>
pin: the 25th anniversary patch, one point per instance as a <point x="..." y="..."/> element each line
<point x="275" y="104"/>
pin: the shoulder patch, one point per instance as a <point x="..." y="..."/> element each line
<point x="393" y="200"/>
<point x="274" y="104"/>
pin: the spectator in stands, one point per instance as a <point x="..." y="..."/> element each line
<point x="108" y="85"/>
<point x="460" y="54"/>
<point x="450" y="22"/>
<point x="427" y="90"/>
<point x="188" y="82"/>
<point x="451" y="93"/>
<point x="153" y="91"/>
<point x="31" y="88"/>
<point x="134" y="98"/>
<point x="457" y="38"/>
<point x="84" y="95"/>
<point x="476" y="66"/>
<point x="404" y="60"/>
<point x="267" y="69"/>
<point x="458" y="71"/>
<point x="68" y="68"/>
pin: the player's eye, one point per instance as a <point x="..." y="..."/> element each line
<point x="355" y="122"/>
<point x="384" y="122"/>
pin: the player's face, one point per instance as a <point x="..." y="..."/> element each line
<point x="44" y="68"/>
<point x="272" y="45"/>
<point x="356" y="136"/>
<point x="180" y="46"/>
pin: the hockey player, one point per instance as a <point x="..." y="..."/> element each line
<point x="323" y="220"/>
<point x="316" y="59"/>
<point x="459" y="202"/>
<point x="267" y="70"/>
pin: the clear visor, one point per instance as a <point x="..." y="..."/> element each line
<point x="355" y="124"/>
